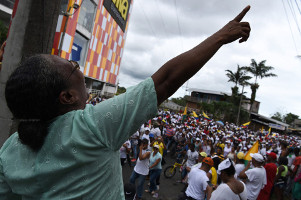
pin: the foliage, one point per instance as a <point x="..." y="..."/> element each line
<point x="224" y="111"/>
<point x="120" y="90"/>
<point x="180" y="101"/>
<point x="259" y="70"/>
<point x="277" y="116"/>
<point x="288" y="118"/>
<point x="239" y="77"/>
<point x="3" y="32"/>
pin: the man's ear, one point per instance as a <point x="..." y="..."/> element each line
<point x="68" y="97"/>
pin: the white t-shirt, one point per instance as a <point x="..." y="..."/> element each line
<point x="227" y="150"/>
<point x="256" y="181"/>
<point x="199" y="165"/>
<point x="144" y="136"/>
<point x="192" y="158"/>
<point x="141" y="166"/>
<point x="197" y="183"/>
<point x="238" y="169"/>
<point x="122" y="149"/>
<point x="263" y="151"/>
<point x="224" y="192"/>
<point x="156" y="132"/>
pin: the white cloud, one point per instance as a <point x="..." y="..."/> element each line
<point x="154" y="37"/>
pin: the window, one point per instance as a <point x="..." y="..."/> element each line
<point x="79" y="49"/>
<point x="86" y="15"/>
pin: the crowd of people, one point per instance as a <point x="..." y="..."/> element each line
<point x="213" y="157"/>
<point x="65" y="149"/>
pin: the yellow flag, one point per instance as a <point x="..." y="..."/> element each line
<point x="262" y="129"/>
<point x="185" y="111"/>
<point x="268" y="133"/>
<point x="206" y="117"/>
<point x="194" y="114"/>
<point x="254" y="149"/>
<point x="246" y="124"/>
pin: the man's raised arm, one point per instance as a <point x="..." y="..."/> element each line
<point x="178" y="70"/>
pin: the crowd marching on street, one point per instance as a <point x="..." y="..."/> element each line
<point x="215" y="158"/>
<point x="65" y="148"/>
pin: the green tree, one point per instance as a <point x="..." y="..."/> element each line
<point x="180" y="101"/>
<point x="259" y="70"/>
<point x="289" y="118"/>
<point x="278" y="116"/>
<point x="239" y="77"/>
<point x="120" y="90"/>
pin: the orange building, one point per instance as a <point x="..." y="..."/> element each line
<point x="93" y="33"/>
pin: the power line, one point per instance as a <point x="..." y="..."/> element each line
<point x="148" y="21"/>
<point x="179" y="28"/>
<point x="178" y="23"/>
<point x="164" y="27"/>
<point x="290" y="26"/>
<point x="294" y="14"/>
<point x="298" y="6"/>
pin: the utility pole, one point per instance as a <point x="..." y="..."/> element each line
<point x="31" y="32"/>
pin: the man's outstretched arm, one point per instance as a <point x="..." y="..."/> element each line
<point x="178" y="70"/>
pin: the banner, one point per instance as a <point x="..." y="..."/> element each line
<point x="119" y="10"/>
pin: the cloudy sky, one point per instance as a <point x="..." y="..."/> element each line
<point x="161" y="29"/>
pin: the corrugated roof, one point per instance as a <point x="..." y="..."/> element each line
<point x="270" y="119"/>
<point x="208" y="91"/>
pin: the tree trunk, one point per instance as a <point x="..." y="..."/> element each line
<point x="254" y="88"/>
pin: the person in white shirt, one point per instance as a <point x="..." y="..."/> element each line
<point x="256" y="177"/>
<point x="124" y="150"/>
<point x="263" y="150"/>
<point x="230" y="188"/>
<point x="239" y="166"/>
<point x="191" y="159"/>
<point x="227" y="148"/>
<point x="198" y="181"/>
<point x="141" y="168"/>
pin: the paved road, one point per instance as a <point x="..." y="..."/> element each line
<point x="169" y="188"/>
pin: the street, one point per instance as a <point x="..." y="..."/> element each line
<point x="169" y="188"/>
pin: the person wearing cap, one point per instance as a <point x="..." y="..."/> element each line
<point x="230" y="188"/>
<point x="159" y="142"/>
<point x="198" y="186"/>
<point x="271" y="170"/>
<point x="255" y="178"/>
<point x="155" y="169"/>
<point x="240" y="164"/>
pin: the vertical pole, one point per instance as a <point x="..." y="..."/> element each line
<point x="31" y="32"/>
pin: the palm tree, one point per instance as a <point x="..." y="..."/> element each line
<point x="239" y="78"/>
<point x="259" y="70"/>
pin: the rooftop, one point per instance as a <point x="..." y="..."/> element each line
<point x="207" y="91"/>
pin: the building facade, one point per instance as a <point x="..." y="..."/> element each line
<point x="93" y="33"/>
